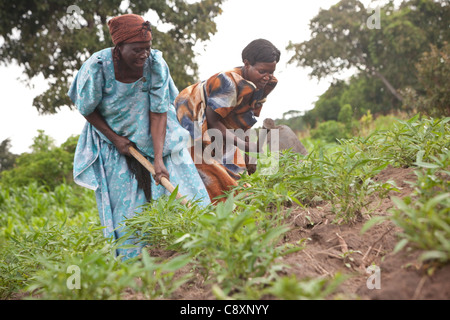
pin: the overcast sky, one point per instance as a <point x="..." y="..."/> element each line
<point x="241" y="22"/>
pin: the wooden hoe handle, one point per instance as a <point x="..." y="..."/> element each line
<point x="164" y="181"/>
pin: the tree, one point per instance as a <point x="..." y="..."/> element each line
<point x="7" y="159"/>
<point x="365" y="93"/>
<point x="42" y="142"/>
<point x="434" y="76"/>
<point x="47" y="164"/>
<point x="361" y="92"/>
<point x="341" y="39"/>
<point x="328" y="105"/>
<point x="43" y="37"/>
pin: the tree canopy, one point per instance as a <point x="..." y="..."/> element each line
<point x="43" y="37"/>
<point x="342" y="38"/>
<point x="7" y="158"/>
<point x="400" y="56"/>
<point x="434" y="76"/>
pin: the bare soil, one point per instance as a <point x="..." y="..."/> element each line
<point x="332" y="248"/>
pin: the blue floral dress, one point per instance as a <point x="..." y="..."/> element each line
<point x="126" y="107"/>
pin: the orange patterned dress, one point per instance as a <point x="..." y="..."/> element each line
<point x="238" y="102"/>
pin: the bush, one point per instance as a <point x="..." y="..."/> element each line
<point x="330" y="131"/>
<point x="46" y="165"/>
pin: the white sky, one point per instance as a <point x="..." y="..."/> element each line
<point x="241" y="22"/>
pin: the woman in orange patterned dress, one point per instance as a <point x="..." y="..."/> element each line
<point x="225" y="102"/>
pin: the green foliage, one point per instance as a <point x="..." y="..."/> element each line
<point x="37" y="36"/>
<point x="346" y="116"/>
<point x="42" y="142"/>
<point x="330" y="131"/>
<point x="290" y="288"/>
<point x="7" y="159"/>
<point x="341" y="39"/>
<point x="270" y="192"/>
<point x="37" y="224"/>
<point x="294" y="120"/>
<point x="366" y="122"/>
<point x="424" y="216"/>
<point x="46" y="164"/>
<point x="329" y="28"/>
<point x="434" y="76"/>
<point x="29" y="206"/>
<point x="43" y="233"/>
<point x="342" y="173"/>
<point x="366" y="93"/>
<point x="233" y="246"/>
<point x="383" y="123"/>
<point x="328" y="105"/>
<point x="393" y="70"/>
<point x="408" y="138"/>
<point x="164" y="221"/>
<point x="362" y="93"/>
<point x="348" y="172"/>
<point x="102" y="277"/>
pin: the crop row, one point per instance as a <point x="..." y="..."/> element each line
<point x="235" y="245"/>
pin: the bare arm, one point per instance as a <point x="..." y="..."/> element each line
<point x="122" y="143"/>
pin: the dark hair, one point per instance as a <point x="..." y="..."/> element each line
<point x="260" y="50"/>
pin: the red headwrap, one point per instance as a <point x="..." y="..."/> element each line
<point x="129" y="28"/>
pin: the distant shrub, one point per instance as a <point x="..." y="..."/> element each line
<point x="329" y="131"/>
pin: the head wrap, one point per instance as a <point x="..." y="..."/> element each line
<point x="129" y="28"/>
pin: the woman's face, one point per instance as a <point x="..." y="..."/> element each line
<point x="135" y="54"/>
<point x="260" y="73"/>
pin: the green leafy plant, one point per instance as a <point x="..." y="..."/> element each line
<point x="425" y="215"/>
<point x="162" y="222"/>
<point x="102" y="276"/>
<point x="37" y="222"/>
<point x="402" y="144"/>
<point x="262" y="192"/>
<point x="234" y="246"/>
<point x="329" y="131"/>
<point x="291" y="288"/>
<point x="349" y="172"/>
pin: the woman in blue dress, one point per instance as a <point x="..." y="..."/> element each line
<point x="126" y="94"/>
